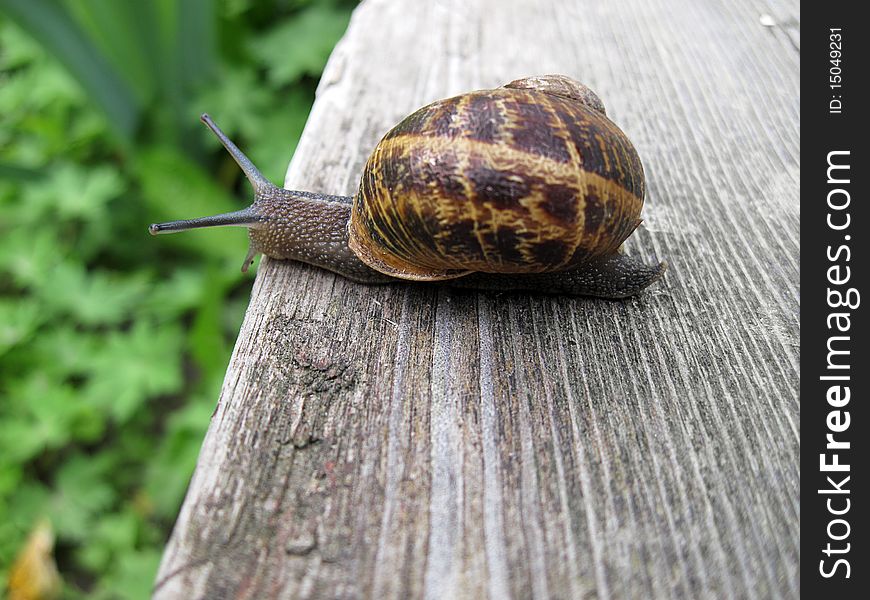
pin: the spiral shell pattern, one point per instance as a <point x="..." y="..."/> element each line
<point x="506" y="180"/>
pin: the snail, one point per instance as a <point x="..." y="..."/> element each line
<point x="526" y="186"/>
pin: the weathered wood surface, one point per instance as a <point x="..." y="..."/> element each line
<point x="415" y="441"/>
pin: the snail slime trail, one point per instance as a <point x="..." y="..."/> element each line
<point x="841" y="300"/>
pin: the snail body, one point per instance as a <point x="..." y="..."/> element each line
<point x="527" y="186"/>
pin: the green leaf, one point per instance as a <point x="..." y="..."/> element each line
<point x="123" y="31"/>
<point x="19" y="320"/>
<point x="18" y="173"/>
<point x="73" y="192"/>
<point x="237" y="103"/>
<point x="49" y="23"/>
<point x="196" y="40"/>
<point x="301" y="46"/>
<point x="82" y="494"/>
<point x="47" y="413"/>
<point x="19" y="49"/>
<point x="277" y="132"/>
<point x="207" y="343"/>
<point x="134" y="366"/>
<point x="10" y="478"/>
<point x="92" y="298"/>
<point x="133" y="577"/>
<point x="169" y="473"/>
<point x="36" y="106"/>
<point x="27" y="504"/>
<point x="114" y="534"/>
<point x="66" y="351"/>
<point x="27" y="254"/>
<point x="177" y="292"/>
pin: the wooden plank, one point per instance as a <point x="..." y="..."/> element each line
<point x="417" y="441"/>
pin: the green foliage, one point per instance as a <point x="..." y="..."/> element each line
<point x="113" y="344"/>
<point x="308" y="38"/>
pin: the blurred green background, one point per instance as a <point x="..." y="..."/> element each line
<point x="113" y="344"/>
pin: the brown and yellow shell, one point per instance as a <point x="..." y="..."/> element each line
<point x="529" y="177"/>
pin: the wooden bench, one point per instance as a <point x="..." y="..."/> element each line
<point x="412" y="441"/>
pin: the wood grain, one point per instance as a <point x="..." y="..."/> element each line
<point x="413" y="441"/>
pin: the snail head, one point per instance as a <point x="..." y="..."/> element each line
<point x="265" y="193"/>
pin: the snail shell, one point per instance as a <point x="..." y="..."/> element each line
<point x="527" y="178"/>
